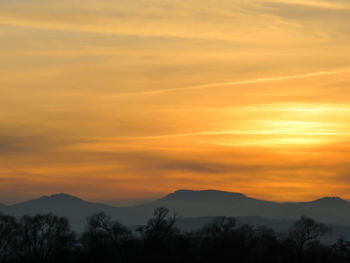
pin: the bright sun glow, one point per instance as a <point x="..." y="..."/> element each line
<point x="287" y="125"/>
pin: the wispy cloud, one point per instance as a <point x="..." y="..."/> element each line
<point x="235" y="83"/>
<point x="132" y="98"/>
<point x="332" y="5"/>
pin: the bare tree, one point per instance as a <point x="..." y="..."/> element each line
<point x="305" y="230"/>
<point x="101" y="223"/>
<point x="8" y="233"/>
<point x="341" y="247"/>
<point x="106" y="234"/>
<point x="161" y="226"/>
<point x="43" y="237"/>
<point x="220" y="227"/>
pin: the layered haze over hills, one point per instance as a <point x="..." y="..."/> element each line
<point x="194" y="209"/>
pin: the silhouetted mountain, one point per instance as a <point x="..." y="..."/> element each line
<point x="215" y="203"/>
<point x="75" y="209"/>
<point x="201" y="196"/>
<point x="334" y="200"/>
<point x="188" y="203"/>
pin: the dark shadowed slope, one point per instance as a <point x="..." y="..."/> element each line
<point x="188" y="203"/>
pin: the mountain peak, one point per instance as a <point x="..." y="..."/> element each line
<point x="331" y="200"/>
<point x="62" y="196"/>
<point x="207" y="192"/>
<point x="201" y="195"/>
<point x="54" y="199"/>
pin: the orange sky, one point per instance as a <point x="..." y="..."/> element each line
<point x="111" y="100"/>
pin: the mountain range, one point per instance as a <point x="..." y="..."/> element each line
<point x="194" y="207"/>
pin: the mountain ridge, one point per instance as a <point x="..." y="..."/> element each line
<point x="331" y="199"/>
<point x="176" y="194"/>
<point x="187" y="203"/>
<point x="187" y="196"/>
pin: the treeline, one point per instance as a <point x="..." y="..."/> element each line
<point x="49" y="239"/>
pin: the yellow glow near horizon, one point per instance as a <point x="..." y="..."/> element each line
<point x="122" y="99"/>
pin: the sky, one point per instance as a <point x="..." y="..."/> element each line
<point x="130" y="100"/>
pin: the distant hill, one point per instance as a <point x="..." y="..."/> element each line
<point x="188" y="203"/>
<point x="201" y="196"/>
<point x="75" y="209"/>
<point x="57" y="203"/>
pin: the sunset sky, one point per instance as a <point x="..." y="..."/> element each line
<point x="119" y="99"/>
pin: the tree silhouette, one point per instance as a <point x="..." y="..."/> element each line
<point x="44" y="238"/>
<point x="48" y="239"/>
<point x="264" y="246"/>
<point x="342" y="248"/>
<point x="220" y="227"/>
<point x="161" y="239"/>
<point x="305" y="230"/>
<point x="8" y="238"/>
<point x="160" y="227"/>
<point x="115" y="231"/>
<point x="218" y="239"/>
<point x="105" y="236"/>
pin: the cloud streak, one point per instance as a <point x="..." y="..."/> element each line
<point x="235" y="83"/>
<point x="133" y="98"/>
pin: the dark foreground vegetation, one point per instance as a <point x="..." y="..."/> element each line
<point x="48" y="238"/>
